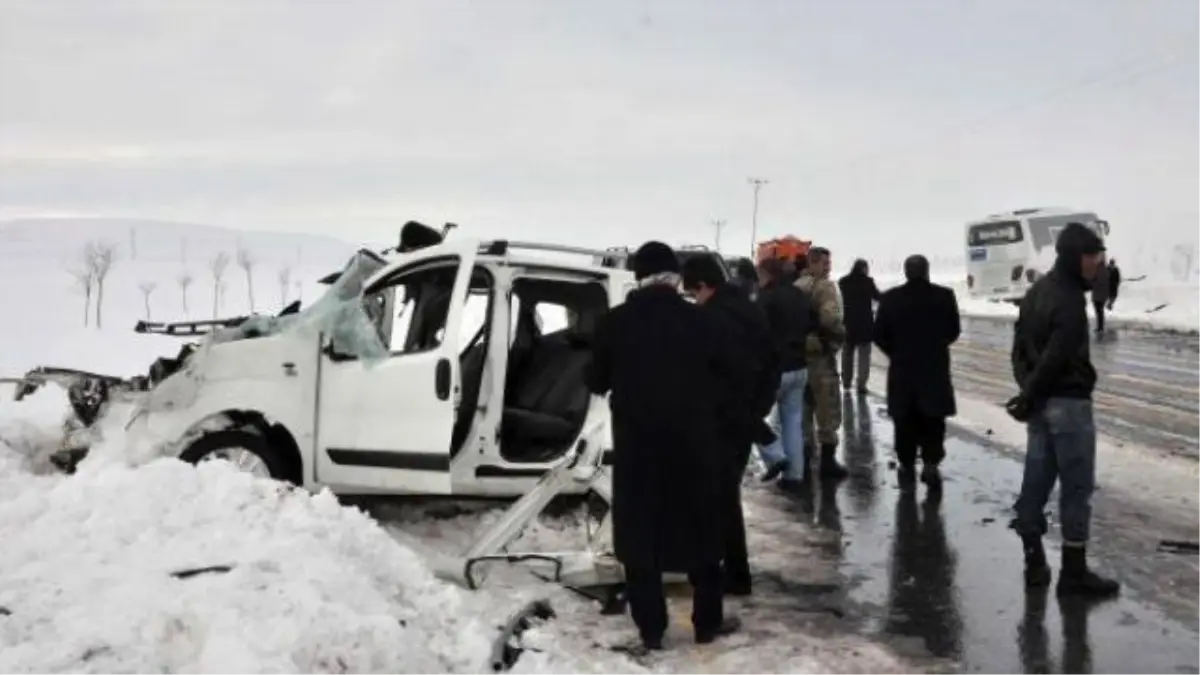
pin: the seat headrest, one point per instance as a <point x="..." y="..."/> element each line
<point x="583" y="326"/>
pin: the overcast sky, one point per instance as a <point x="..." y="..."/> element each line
<point x="882" y="125"/>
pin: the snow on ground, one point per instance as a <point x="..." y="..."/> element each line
<point x="314" y="586"/>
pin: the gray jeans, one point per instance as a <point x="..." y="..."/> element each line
<point x="1062" y="446"/>
<point x="863" y="354"/>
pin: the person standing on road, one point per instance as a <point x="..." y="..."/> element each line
<point x="1114" y="282"/>
<point x="859" y="293"/>
<point x="1101" y="291"/>
<point x="1052" y="365"/>
<point x="915" y="326"/>
<point x="747" y="325"/>
<point x="790" y="318"/>
<point x="674" y="379"/>
<point x="823" y="418"/>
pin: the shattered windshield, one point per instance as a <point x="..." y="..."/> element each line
<point x="340" y="314"/>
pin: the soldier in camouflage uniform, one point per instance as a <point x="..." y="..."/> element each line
<point x="823" y="345"/>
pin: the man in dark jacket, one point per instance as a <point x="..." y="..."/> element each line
<point x="1114" y="282"/>
<point x="1100" y="290"/>
<point x="859" y="294"/>
<point x="673" y="377"/>
<point x="790" y="319"/>
<point x="915" y="326"/>
<point x="745" y="323"/>
<point x="1052" y="365"/>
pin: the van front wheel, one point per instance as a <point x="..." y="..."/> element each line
<point x="246" y="451"/>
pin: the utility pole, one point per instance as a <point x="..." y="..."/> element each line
<point x="718" y="225"/>
<point x="757" y="183"/>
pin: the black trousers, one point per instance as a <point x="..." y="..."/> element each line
<point x="918" y="431"/>
<point x="737" y="558"/>
<point x="648" y="604"/>
<point x="1099" y="307"/>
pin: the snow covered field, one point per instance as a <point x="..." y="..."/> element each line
<point x="140" y="566"/>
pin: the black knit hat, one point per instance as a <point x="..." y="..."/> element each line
<point x="654" y="257"/>
<point x="1078" y="239"/>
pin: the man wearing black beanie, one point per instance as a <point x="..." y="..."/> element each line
<point x="1053" y="367"/>
<point x="671" y="373"/>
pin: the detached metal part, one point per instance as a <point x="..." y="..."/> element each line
<point x="595" y="565"/>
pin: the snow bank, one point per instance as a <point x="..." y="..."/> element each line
<point x="87" y="565"/>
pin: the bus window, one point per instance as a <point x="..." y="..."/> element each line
<point x="1044" y="231"/>
<point x="991" y="234"/>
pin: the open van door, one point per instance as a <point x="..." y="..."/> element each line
<point x="385" y="425"/>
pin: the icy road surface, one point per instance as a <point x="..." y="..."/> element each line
<point x="894" y="581"/>
<point x="1146" y="393"/>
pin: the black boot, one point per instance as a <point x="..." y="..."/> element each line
<point x="1037" y="572"/>
<point x="931" y="476"/>
<point x="829" y="464"/>
<point x="729" y="626"/>
<point x="775" y="471"/>
<point x="1076" y="579"/>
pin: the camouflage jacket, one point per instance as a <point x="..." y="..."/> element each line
<point x="830" y="332"/>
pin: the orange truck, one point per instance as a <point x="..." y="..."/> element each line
<point x="784" y="248"/>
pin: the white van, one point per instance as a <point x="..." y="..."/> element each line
<point x="1007" y="252"/>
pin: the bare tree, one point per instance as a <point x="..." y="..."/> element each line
<point x="285" y="281"/>
<point x="246" y="261"/>
<point x="184" y="280"/>
<point x="102" y="256"/>
<point x="147" y="288"/>
<point x="217" y="266"/>
<point x="85" y="278"/>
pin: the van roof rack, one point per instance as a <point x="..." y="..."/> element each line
<point x="606" y="258"/>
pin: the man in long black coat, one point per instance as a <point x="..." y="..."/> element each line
<point x="673" y="377"/>
<point x="859" y="295"/>
<point x="746" y="324"/>
<point x="915" y="326"/>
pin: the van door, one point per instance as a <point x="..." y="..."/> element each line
<point x="384" y="425"/>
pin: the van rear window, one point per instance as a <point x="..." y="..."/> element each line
<point x="991" y="234"/>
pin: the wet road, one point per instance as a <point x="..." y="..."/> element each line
<point x="1147" y="390"/>
<point x="941" y="579"/>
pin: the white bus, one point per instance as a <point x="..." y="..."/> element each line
<point x="1007" y="252"/>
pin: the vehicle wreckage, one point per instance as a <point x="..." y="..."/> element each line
<point x="430" y="370"/>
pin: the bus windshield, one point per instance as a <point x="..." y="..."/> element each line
<point x="992" y="234"/>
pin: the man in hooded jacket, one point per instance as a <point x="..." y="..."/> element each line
<point x="1052" y="365"/>
<point x="859" y="293"/>
<point x="675" y="380"/>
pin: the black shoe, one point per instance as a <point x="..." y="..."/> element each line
<point x="738" y="588"/>
<point x="907" y="475"/>
<point x="830" y="468"/>
<point x="795" y="486"/>
<point x="775" y="471"/>
<point x="1037" y="572"/>
<point x="931" y="477"/>
<point x="729" y="626"/>
<point x="1076" y="579"/>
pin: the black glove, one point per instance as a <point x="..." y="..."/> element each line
<point x="763" y="435"/>
<point x="1019" y="408"/>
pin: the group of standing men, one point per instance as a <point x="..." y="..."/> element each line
<point x="692" y="384"/>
